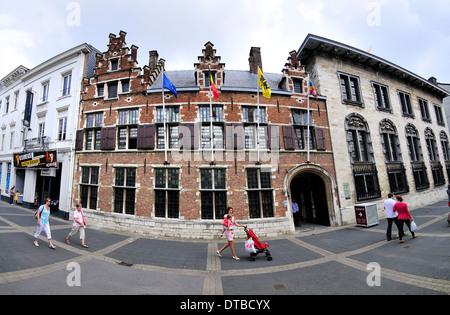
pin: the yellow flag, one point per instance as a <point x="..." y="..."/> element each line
<point x="264" y="85"/>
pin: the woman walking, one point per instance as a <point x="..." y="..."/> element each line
<point x="403" y="217"/>
<point x="229" y="235"/>
<point x="43" y="215"/>
<point x="79" y="224"/>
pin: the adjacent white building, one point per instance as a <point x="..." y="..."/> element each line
<point x="39" y="109"/>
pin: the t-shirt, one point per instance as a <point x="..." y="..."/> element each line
<point x="389" y="206"/>
<point x="44" y="215"/>
<point x="402" y="210"/>
<point x="78" y="215"/>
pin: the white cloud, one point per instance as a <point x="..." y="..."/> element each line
<point x="312" y="11"/>
<point x="14" y="51"/>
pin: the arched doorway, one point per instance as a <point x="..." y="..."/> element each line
<point x="309" y="191"/>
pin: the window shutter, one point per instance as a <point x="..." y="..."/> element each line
<point x="188" y="137"/>
<point x="79" y="140"/>
<point x="234" y="136"/>
<point x="288" y="137"/>
<point x="146" y="137"/>
<point x="274" y="137"/>
<point x="108" y="141"/>
<point x="320" y="139"/>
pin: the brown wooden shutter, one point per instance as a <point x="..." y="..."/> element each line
<point x="79" y="140"/>
<point x="108" y="141"/>
<point x="146" y="137"/>
<point x="320" y="139"/>
<point x="288" y="137"/>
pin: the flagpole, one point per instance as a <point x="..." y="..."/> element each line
<point x="308" y="138"/>
<point x="211" y="117"/>
<point x="257" y="117"/>
<point x="165" y="118"/>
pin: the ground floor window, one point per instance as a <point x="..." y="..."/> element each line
<point x="167" y="194"/>
<point x="89" y="187"/>
<point x="260" y="193"/>
<point x="124" y="190"/>
<point x="213" y="193"/>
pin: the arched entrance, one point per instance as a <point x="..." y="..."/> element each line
<point x="308" y="190"/>
<point x="311" y="187"/>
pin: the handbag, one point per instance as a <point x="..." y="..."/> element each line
<point x="413" y="226"/>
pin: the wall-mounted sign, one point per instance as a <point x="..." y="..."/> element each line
<point x="45" y="159"/>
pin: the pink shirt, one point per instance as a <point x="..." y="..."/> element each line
<point x="402" y="210"/>
<point x="78" y="215"/>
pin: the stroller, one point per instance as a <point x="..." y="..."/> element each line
<point x="254" y="247"/>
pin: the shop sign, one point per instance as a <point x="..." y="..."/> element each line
<point x="45" y="159"/>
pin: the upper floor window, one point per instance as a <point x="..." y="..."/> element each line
<point x="301" y="121"/>
<point x="128" y="120"/>
<point x="444" y="144"/>
<point x="423" y="104"/>
<point x="171" y="117"/>
<point x="350" y="89"/>
<point x="381" y="95"/>
<point x="216" y="117"/>
<point x="439" y="116"/>
<point x="114" y="64"/>
<point x="389" y="139"/>
<point x="431" y="145"/>
<point x="415" y="149"/>
<point x="298" y="85"/>
<point x="358" y="139"/>
<point x="251" y="117"/>
<point x="405" y="101"/>
<point x="45" y="90"/>
<point x="67" y="81"/>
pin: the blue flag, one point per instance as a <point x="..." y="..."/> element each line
<point x="168" y="85"/>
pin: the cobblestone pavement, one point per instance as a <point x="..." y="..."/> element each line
<point x="316" y="260"/>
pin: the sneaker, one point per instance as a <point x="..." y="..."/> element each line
<point x="36" y="244"/>
<point x="218" y="254"/>
<point x="236" y="258"/>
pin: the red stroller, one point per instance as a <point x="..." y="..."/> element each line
<point x="254" y="247"/>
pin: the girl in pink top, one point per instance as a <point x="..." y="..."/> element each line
<point x="403" y="217"/>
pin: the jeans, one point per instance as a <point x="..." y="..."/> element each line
<point x="389" y="228"/>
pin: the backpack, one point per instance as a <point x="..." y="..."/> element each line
<point x="38" y="209"/>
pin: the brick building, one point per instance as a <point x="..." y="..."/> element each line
<point x="144" y="160"/>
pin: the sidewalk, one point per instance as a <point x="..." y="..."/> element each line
<point x="313" y="261"/>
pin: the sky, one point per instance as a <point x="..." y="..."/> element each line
<point x="413" y="34"/>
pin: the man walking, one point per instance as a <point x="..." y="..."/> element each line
<point x="390" y="215"/>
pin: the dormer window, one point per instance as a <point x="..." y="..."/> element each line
<point x="298" y="85"/>
<point x="114" y="64"/>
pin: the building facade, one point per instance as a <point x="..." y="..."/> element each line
<point x="39" y="109"/>
<point x="166" y="165"/>
<point x="388" y="127"/>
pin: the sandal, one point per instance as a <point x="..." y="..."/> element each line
<point x="67" y="241"/>
<point x="85" y="246"/>
<point x="236" y="258"/>
<point x="52" y="246"/>
<point x="36" y="244"/>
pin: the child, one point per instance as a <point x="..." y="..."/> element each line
<point x="227" y="223"/>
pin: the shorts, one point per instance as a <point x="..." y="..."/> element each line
<point x="229" y="235"/>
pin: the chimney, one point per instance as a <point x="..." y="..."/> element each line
<point x="432" y="80"/>
<point x="153" y="61"/>
<point x="255" y="60"/>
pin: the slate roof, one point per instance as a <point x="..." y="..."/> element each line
<point x="234" y="80"/>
